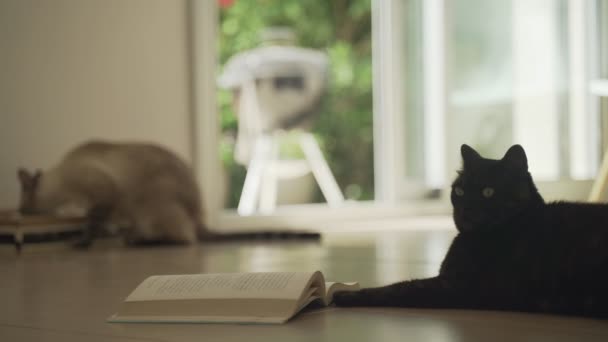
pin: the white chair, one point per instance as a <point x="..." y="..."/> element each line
<point x="278" y="89"/>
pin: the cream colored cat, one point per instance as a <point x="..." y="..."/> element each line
<point x="144" y="185"/>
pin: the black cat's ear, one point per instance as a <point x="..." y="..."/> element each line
<point x="516" y="157"/>
<point x="469" y="155"/>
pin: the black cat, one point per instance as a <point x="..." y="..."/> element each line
<point x="513" y="251"/>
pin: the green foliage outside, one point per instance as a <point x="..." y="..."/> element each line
<point x="343" y="128"/>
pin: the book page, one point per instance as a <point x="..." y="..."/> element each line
<point x="287" y="285"/>
<point x="309" y="297"/>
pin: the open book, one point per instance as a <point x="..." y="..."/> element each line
<point x="226" y="298"/>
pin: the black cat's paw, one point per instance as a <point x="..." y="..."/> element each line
<point x="348" y="298"/>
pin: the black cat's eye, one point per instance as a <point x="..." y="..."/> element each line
<point x="487" y="192"/>
<point x="458" y="191"/>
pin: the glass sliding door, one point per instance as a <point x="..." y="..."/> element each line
<point x="499" y="73"/>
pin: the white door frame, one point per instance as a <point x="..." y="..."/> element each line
<point x="205" y="133"/>
<point x="389" y="125"/>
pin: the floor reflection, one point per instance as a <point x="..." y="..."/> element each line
<point x="73" y="292"/>
<point x="373" y="258"/>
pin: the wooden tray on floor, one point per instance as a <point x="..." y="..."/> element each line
<point x="19" y="226"/>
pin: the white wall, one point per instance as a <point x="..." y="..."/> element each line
<point x="71" y="70"/>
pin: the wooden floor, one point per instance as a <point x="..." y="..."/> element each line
<point x="67" y="295"/>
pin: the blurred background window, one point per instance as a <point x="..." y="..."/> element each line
<point x="489" y="73"/>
